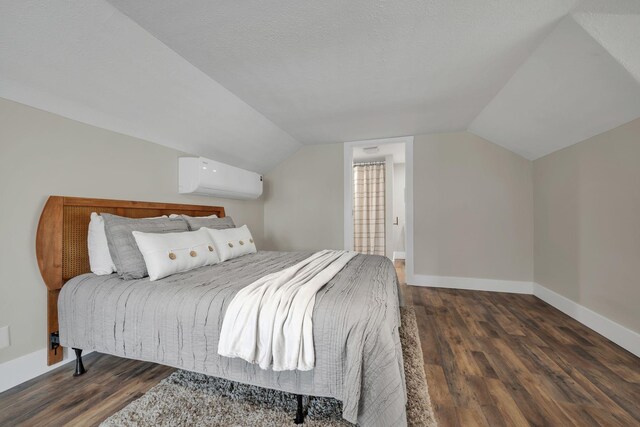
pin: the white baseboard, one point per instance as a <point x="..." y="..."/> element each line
<point x="606" y="327"/>
<point x="399" y="255"/>
<point x="471" y="283"/>
<point x="29" y="366"/>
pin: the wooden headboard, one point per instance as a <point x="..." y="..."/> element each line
<point x="61" y="241"/>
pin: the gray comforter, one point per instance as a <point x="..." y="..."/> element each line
<point x="176" y="321"/>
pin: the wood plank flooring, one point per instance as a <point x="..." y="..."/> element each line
<point x="491" y="359"/>
<point x="496" y="359"/>
<point x="57" y="398"/>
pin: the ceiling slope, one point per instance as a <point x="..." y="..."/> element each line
<point x="618" y="33"/>
<point x="336" y="70"/>
<point x="87" y="61"/>
<point x="570" y="89"/>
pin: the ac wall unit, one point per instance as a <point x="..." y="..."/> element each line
<point x="197" y="175"/>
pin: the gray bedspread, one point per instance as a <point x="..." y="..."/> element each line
<point x="176" y="321"/>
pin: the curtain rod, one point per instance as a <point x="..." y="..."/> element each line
<point x="379" y="162"/>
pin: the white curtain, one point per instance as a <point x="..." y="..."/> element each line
<point x="369" y="208"/>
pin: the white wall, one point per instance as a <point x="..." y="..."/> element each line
<point x="389" y="189"/>
<point x="397" y="234"/>
<point x="42" y="154"/>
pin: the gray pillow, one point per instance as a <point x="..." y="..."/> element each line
<point x="123" y="247"/>
<point x="196" y="223"/>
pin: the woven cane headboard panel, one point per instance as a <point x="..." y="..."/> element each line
<point x="61" y="239"/>
<point x="75" y="255"/>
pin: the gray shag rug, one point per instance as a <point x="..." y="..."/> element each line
<point x="190" y="399"/>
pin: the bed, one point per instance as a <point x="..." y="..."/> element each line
<point x="176" y="320"/>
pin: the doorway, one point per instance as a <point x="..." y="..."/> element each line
<point x="378" y="197"/>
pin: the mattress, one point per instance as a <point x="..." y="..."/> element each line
<point x="176" y="321"/>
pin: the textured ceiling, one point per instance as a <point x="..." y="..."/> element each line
<point x="247" y="82"/>
<point x="338" y="70"/>
<point x="531" y="76"/>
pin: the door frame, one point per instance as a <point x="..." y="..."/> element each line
<point x="348" y="193"/>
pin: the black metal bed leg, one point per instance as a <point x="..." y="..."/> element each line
<point x="300" y="413"/>
<point x="79" y="366"/>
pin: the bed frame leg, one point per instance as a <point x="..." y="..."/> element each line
<point x="79" y="366"/>
<point x="300" y="413"/>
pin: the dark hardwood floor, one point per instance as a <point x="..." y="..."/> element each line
<point x="496" y="359"/>
<point x="491" y="359"/>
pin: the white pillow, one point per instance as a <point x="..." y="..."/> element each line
<point x="232" y="242"/>
<point x="169" y="253"/>
<point x="100" y="260"/>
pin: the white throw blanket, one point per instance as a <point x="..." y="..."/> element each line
<point x="269" y="322"/>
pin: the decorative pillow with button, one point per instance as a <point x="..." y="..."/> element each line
<point x="233" y="242"/>
<point x="169" y="253"/>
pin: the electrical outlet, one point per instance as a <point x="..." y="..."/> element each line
<point x="4" y="337"/>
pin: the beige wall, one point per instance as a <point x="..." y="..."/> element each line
<point x="304" y="206"/>
<point x="43" y="154"/>
<point x="473" y="206"/>
<point x="473" y="209"/>
<point x="587" y="223"/>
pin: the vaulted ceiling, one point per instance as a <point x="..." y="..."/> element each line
<point x="248" y="82"/>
